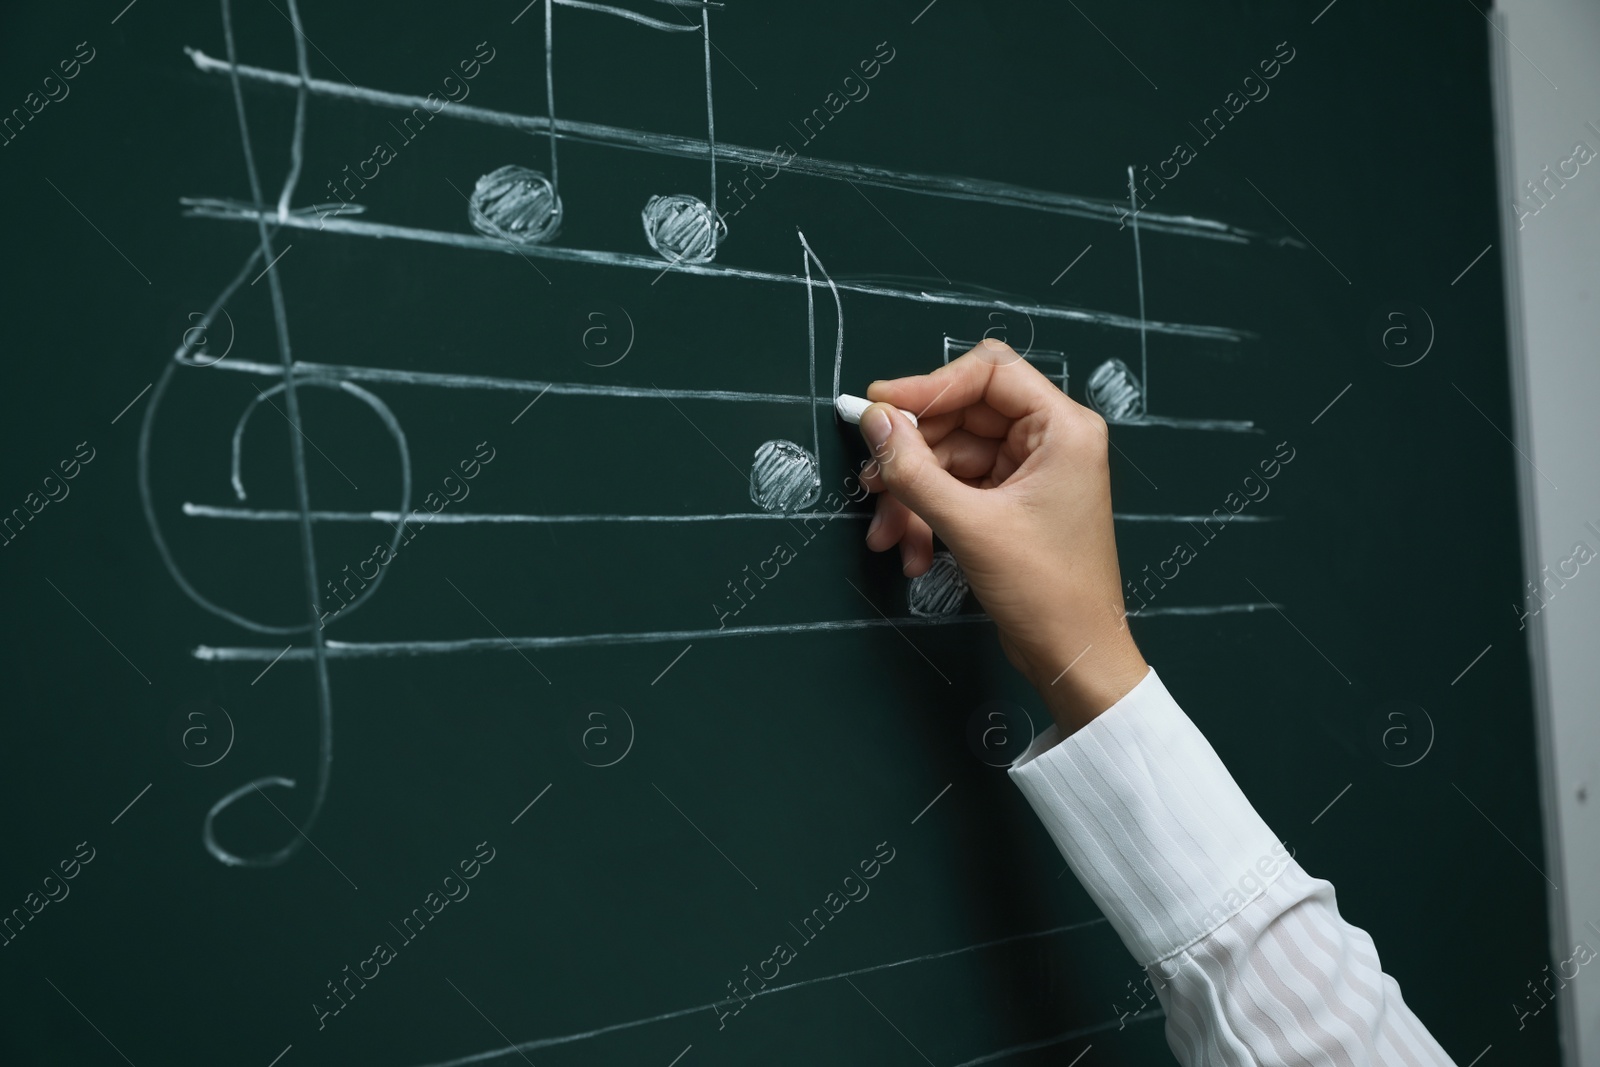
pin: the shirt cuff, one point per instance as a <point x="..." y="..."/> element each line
<point x="1151" y="822"/>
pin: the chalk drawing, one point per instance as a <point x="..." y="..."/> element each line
<point x="680" y="227"/>
<point x="404" y="649"/>
<point x="266" y="227"/>
<point x="939" y="590"/>
<point x="515" y="204"/>
<point x="1115" y="392"/>
<point x="519" y="209"/>
<point x="1003" y="194"/>
<point x="454" y="518"/>
<point x="784" y="477"/>
<point x="524" y="1047"/>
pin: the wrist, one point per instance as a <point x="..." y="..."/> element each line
<point x="1083" y="688"/>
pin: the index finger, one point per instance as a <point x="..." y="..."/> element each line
<point x="991" y="372"/>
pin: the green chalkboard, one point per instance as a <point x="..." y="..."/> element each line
<point x="438" y="625"/>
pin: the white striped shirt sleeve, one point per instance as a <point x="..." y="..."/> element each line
<point x="1247" y="952"/>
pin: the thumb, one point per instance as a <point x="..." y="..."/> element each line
<point x="910" y="470"/>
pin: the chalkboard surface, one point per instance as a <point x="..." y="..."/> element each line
<point x="438" y="624"/>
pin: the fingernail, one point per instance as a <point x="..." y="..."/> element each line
<point x="875" y="427"/>
<point x="877" y="517"/>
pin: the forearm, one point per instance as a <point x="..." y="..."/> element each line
<point x="1248" y="954"/>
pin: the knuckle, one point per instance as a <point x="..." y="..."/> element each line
<point x="1087" y="434"/>
<point x="997" y="349"/>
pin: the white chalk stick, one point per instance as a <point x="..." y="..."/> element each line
<point x="850" y="409"/>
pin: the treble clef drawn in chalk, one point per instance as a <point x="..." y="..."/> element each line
<point x="524" y="206"/>
<point x="292" y="381"/>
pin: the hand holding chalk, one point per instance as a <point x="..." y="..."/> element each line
<point x="1014" y="478"/>
<point x="850" y="409"/>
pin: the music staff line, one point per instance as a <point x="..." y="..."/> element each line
<point x="348" y="372"/>
<point x="332" y="649"/>
<point x="980" y="190"/>
<point x="218" y="209"/>
<point x="237" y="211"/>
<point x="566" y="1039"/>
<point x="469" y="518"/>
